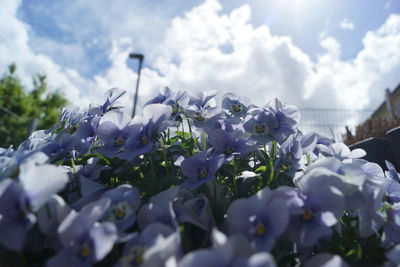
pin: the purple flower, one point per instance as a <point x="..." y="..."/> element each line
<point x="177" y="100"/>
<point x="229" y="143"/>
<point x="141" y="248"/>
<point x="393" y="192"/>
<point x="237" y="106"/>
<point x="391" y="235"/>
<point x="290" y="154"/>
<point x="145" y="130"/>
<point x="326" y="260"/>
<point x="16" y="215"/>
<point x="84" y="240"/>
<point x="259" y="124"/>
<point x="392" y="173"/>
<point x="286" y="119"/>
<point x="193" y="209"/>
<point x="113" y="131"/>
<point x="323" y="205"/>
<point x="341" y="152"/>
<point x="393" y="186"/>
<point x="393" y="256"/>
<point x="204" y="117"/>
<point x="261" y="218"/>
<point x="86" y="134"/>
<point x="348" y="178"/>
<point x="371" y="219"/>
<point x="159" y="209"/>
<point x="204" y="99"/>
<point x="125" y="200"/>
<point x="20" y="199"/>
<point x="233" y="251"/>
<point x="70" y="117"/>
<point x="112" y="95"/>
<point x="200" y="168"/>
<point x="50" y="215"/>
<point x="203" y="110"/>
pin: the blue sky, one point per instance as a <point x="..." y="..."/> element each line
<point x="311" y="53"/>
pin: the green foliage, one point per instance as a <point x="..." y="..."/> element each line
<point x="19" y="107"/>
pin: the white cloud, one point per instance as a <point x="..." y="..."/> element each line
<point x="204" y="49"/>
<point x="346" y="24"/>
<point x="360" y="82"/>
<point x="14" y="47"/>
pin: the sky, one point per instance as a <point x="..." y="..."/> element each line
<point x="310" y="53"/>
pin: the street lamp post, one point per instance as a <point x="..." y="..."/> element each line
<point x="140" y="57"/>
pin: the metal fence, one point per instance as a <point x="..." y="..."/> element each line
<point x="331" y="122"/>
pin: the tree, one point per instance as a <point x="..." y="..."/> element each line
<point x="20" y="109"/>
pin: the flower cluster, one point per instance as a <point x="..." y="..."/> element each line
<point x="193" y="183"/>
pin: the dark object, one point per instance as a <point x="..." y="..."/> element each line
<point x="378" y="150"/>
<point x="140" y="57"/>
<point x="394" y="138"/>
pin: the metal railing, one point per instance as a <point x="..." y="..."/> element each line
<point x="331" y="122"/>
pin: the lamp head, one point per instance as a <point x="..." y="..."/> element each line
<point x="136" y="55"/>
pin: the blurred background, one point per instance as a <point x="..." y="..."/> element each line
<point x="337" y="60"/>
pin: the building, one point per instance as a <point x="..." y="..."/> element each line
<point x="389" y="108"/>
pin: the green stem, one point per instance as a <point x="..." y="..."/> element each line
<point x="190" y="127"/>
<point x="272" y="158"/>
<point x="73" y="165"/>
<point x="234" y="176"/>
<point x="153" y="173"/>
<point x="165" y="157"/>
<point x="274" y="153"/>
<point x="204" y="141"/>
<point x="77" y="179"/>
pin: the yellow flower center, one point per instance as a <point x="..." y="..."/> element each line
<point x="120" y="213"/>
<point x="200" y="117"/>
<point x="260" y="229"/>
<point x="138" y="259"/>
<point x="136" y="255"/>
<point x="285" y="168"/>
<point x="85" y="250"/>
<point x="307" y="215"/>
<point x="175" y="108"/>
<point x="229" y="150"/>
<point x="119" y="141"/>
<point x="203" y="173"/>
<point x="237" y="107"/>
<point x="145" y="140"/>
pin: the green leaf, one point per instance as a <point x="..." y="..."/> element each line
<point x="261" y="169"/>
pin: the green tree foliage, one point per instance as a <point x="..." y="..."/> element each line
<point x="20" y="107"/>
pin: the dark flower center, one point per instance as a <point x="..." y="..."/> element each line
<point x="74" y="128"/>
<point x="24" y="207"/>
<point x="259" y="128"/>
<point x="237" y="107"/>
